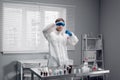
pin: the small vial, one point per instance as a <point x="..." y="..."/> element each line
<point x="75" y="71"/>
<point x="79" y="70"/>
<point x="65" y="71"/>
<point x="50" y="72"/>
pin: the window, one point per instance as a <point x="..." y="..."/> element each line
<point x="23" y="25"/>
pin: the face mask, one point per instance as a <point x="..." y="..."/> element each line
<point x="60" y="24"/>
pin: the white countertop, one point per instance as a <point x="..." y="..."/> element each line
<point x="37" y="71"/>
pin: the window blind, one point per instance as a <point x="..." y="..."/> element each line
<point x="23" y="25"/>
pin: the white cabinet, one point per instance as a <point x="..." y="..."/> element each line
<point x="92" y="50"/>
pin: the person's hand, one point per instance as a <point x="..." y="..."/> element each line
<point x="68" y="32"/>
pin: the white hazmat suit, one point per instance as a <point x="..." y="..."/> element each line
<point x="58" y="45"/>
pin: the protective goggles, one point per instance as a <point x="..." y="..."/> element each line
<point x="60" y="24"/>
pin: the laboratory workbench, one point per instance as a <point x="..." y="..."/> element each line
<point x="35" y="71"/>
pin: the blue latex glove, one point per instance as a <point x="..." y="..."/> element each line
<point x="68" y="32"/>
<point x="60" y="24"/>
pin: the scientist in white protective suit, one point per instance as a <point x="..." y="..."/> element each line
<point x="58" y="37"/>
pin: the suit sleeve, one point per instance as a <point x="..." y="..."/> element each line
<point x="48" y="29"/>
<point x="72" y="40"/>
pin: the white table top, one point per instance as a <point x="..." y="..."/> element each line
<point x="94" y="73"/>
<point x="37" y="71"/>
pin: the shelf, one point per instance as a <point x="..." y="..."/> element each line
<point x="91" y="38"/>
<point x="92" y="49"/>
<point x="99" y="60"/>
